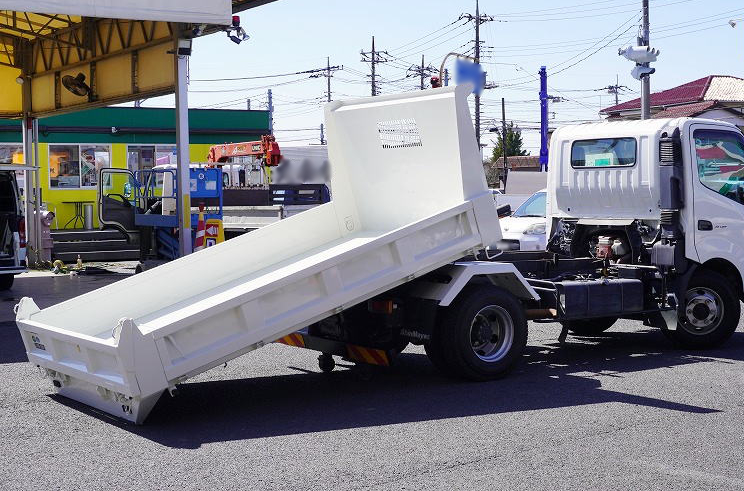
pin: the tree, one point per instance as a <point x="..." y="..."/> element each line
<point x="513" y="143"/>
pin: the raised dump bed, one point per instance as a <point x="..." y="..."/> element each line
<point x="409" y="197"/>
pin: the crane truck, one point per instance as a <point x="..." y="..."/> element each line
<point x="641" y="228"/>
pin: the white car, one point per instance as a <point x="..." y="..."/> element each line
<point x="524" y="230"/>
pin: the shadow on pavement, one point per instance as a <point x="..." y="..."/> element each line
<point x="550" y="376"/>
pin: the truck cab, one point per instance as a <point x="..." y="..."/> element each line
<point x="667" y="193"/>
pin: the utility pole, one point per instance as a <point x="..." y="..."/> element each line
<point x="477" y="19"/>
<point x="270" y="106"/>
<point x="615" y="89"/>
<point x="504" y="147"/>
<point x="248" y="104"/>
<point x="328" y="79"/>
<point x="643" y="55"/>
<point x="373" y="58"/>
<point x="328" y="73"/>
<point x="543" y="119"/>
<point x="646" y="80"/>
<point x="422" y="71"/>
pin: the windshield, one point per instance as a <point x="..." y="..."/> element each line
<point x="533" y="207"/>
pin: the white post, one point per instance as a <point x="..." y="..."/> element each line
<point x="182" y="145"/>
<point x="28" y="186"/>
<point x="37" y="190"/>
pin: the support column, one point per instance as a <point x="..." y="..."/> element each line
<point x="28" y="187"/>
<point x="543" y="119"/>
<point x="37" y="190"/>
<point x="182" y="146"/>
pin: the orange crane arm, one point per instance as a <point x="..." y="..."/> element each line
<point x="267" y="148"/>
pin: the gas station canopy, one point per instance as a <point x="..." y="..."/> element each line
<point x="70" y="55"/>
<point x="211" y="12"/>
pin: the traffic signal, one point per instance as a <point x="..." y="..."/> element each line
<point x="639" y="54"/>
<point x="641" y="71"/>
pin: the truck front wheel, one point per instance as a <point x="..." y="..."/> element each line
<point x="710" y="314"/>
<point x="483" y="333"/>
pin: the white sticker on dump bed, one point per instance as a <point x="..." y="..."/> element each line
<point x="37" y="342"/>
<point x="399" y="133"/>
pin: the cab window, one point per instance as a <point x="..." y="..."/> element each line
<point x="603" y="152"/>
<point x="720" y="162"/>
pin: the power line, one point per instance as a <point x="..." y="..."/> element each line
<point x="258" y="77"/>
<point x="218" y="91"/>
<point x="426" y="36"/>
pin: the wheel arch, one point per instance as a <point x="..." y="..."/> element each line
<point x="502" y="275"/>
<point x="726" y="269"/>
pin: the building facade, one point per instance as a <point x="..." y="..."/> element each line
<point x="74" y="147"/>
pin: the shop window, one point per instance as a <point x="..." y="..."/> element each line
<point x="165" y="154"/>
<point x="76" y="166"/>
<point x="141" y="157"/>
<point x="93" y="158"/>
<point x="12" y="153"/>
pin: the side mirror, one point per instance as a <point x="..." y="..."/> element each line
<point x="504" y="210"/>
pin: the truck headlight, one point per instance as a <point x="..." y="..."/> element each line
<point x="535" y="229"/>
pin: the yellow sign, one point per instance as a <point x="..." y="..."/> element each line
<point x="214" y="232"/>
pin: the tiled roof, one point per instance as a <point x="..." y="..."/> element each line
<point x="729" y="89"/>
<point x="520" y="161"/>
<point x="690" y="92"/>
<point x="685" y="110"/>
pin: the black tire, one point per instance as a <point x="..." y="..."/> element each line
<point x="6" y="281"/>
<point x="471" y="347"/>
<point x="590" y="327"/>
<point x="711" y="312"/>
<point x="326" y="363"/>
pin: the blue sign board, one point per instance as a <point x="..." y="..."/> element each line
<point x="467" y="72"/>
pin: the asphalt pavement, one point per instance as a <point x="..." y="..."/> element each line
<point x="626" y="410"/>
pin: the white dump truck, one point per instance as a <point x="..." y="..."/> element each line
<point x="396" y="257"/>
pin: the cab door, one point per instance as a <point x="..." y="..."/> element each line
<point x="116" y="199"/>
<point x="717" y="172"/>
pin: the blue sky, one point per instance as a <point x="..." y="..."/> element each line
<point x="576" y="39"/>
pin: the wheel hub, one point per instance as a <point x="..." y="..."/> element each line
<point x="703" y="310"/>
<point x="491" y="333"/>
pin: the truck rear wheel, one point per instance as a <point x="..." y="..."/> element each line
<point x="711" y="312"/>
<point x="591" y="327"/>
<point x="483" y="333"/>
